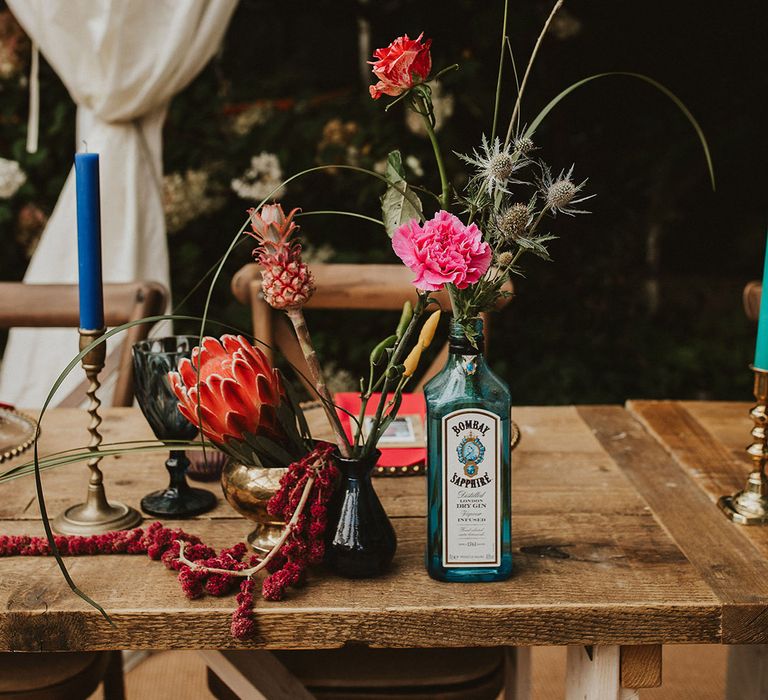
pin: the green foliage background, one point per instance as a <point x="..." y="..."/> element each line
<point x="580" y="329"/>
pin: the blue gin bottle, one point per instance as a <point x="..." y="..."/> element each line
<point x="469" y="522"/>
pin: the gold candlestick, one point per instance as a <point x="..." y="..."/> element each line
<point x="750" y="506"/>
<point x="96" y="514"/>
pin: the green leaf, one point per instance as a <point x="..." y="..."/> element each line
<point x="287" y="418"/>
<point x="269" y="452"/>
<point x="663" y="89"/>
<point x="298" y="412"/>
<point x="399" y="202"/>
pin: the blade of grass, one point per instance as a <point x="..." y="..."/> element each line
<point x="662" y="88"/>
<point x="497" y="99"/>
<point x="518" y="101"/>
<point x="341" y="213"/>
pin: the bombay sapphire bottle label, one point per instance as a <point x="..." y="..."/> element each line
<point x="472" y="488"/>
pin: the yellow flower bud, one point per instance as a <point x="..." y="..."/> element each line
<point x="428" y="330"/>
<point x="412" y="361"/>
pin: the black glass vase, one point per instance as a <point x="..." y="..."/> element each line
<point x="152" y="360"/>
<point x="361" y="540"/>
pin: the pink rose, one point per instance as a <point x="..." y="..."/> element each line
<point x="442" y="251"/>
<point x="403" y="64"/>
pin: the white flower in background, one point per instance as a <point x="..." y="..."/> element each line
<point x="13" y="46"/>
<point x="30" y="223"/>
<point x="8" y="64"/>
<point x="380" y="166"/>
<point x="260" y="179"/>
<point x="312" y="254"/>
<point x="565" y="25"/>
<point x="415" y="165"/>
<point x="442" y="105"/>
<point x="339" y="379"/>
<point x="256" y="114"/>
<point x="186" y="197"/>
<point x="337" y="145"/>
<point x="11" y="178"/>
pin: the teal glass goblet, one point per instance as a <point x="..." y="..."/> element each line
<point x="152" y="360"/>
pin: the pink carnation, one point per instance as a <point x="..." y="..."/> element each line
<point x="442" y="251"/>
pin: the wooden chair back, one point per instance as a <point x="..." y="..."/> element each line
<point x="752" y="293"/>
<point x="73" y="675"/>
<point x="56" y="306"/>
<point x="340" y="287"/>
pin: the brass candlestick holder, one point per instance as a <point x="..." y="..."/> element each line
<point x="750" y="506"/>
<point x="96" y="514"/>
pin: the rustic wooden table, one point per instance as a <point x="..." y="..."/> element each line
<point x="607" y="561"/>
<point x="707" y="442"/>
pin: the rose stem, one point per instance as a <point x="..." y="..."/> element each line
<point x="445" y="195"/>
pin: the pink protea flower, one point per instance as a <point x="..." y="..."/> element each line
<point x="240" y="401"/>
<point x="442" y="251"/>
<point x="401" y="65"/>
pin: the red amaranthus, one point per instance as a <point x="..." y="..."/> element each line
<point x="301" y="500"/>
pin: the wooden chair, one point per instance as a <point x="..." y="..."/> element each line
<point x="56" y="305"/>
<point x="75" y="676"/>
<point x="752" y="299"/>
<point x="339" y="287"/>
<point x="360" y="673"/>
<point x="60" y="675"/>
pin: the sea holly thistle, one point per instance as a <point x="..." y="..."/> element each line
<point x="495" y="164"/>
<point x="561" y="193"/>
<point x="472" y="259"/>
<point x="508" y="195"/>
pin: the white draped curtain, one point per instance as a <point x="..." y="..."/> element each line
<point x="122" y="61"/>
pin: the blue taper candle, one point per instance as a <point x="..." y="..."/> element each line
<point x="89" y="241"/>
<point x="761" y="350"/>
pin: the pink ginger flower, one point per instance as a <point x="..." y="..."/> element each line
<point x="401" y="65"/>
<point x="442" y="251"/>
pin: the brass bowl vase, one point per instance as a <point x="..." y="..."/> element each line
<point x="248" y="490"/>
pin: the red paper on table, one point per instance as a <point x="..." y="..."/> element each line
<point x="403" y="443"/>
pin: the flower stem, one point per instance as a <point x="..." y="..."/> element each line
<point x="394" y="360"/>
<point x="296" y="316"/>
<point x="446" y="191"/>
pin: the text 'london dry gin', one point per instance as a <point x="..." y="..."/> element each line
<point x="468" y="452"/>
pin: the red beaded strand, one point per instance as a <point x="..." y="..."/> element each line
<point x="303" y="547"/>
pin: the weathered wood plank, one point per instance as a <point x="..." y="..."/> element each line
<point x="715" y="468"/>
<point x="615" y="585"/>
<point x="728" y="421"/>
<point x="549" y="436"/>
<point x="641" y="666"/>
<point x="708" y="440"/>
<point x="732" y="568"/>
<point x="592" y="565"/>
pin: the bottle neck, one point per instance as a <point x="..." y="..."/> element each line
<point x="460" y="344"/>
